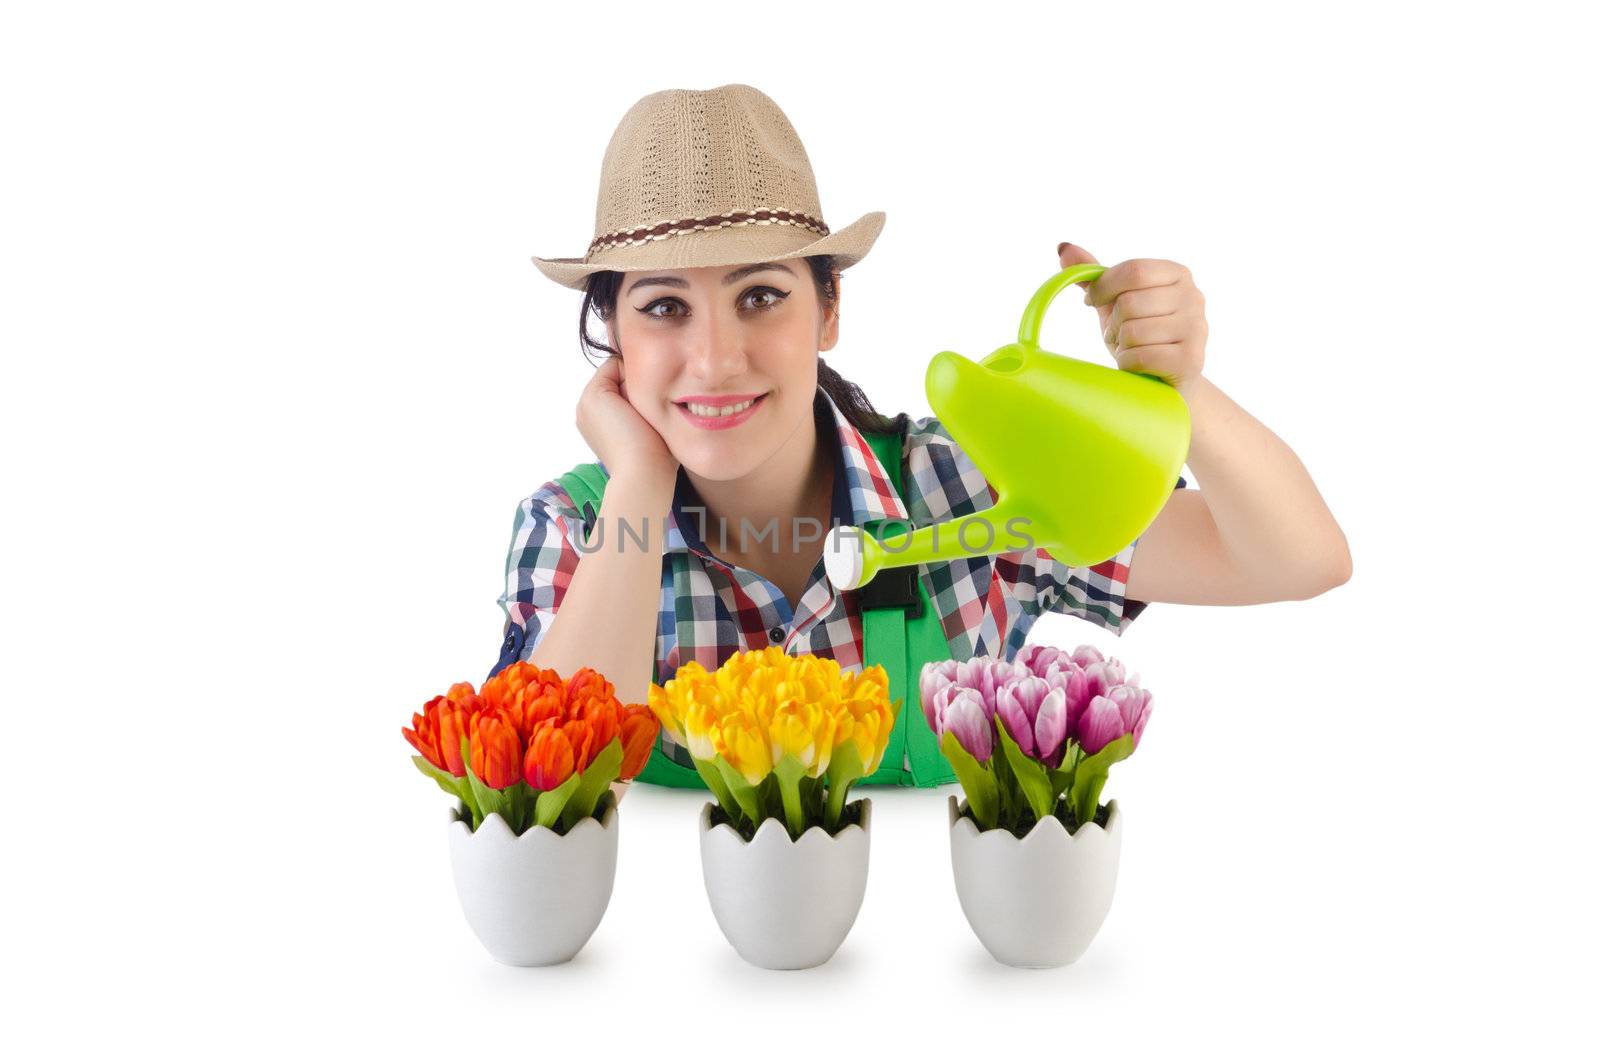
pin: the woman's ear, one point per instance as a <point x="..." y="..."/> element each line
<point x="829" y="336"/>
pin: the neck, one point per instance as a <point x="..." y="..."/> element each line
<point x="795" y="482"/>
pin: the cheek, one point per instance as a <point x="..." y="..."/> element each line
<point x="645" y="372"/>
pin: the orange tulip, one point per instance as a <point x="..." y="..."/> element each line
<point x="639" y="728"/>
<point x="526" y="695"/>
<point x="438" y="730"/>
<point x="463" y="694"/>
<point x="424" y="732"/>
<point x="583" y="737"/>
<point x="454" y="722"/>
<point x="603" y="718"/>
<point x="588" y="683"/>
<point x="495" y="749"/>
<point x="549" y="761"/>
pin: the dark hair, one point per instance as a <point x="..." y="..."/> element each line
<point x="600" y="298"/>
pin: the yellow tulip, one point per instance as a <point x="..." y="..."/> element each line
<point x="742" y="743"/>
<point x="870" y="714"/>
<point x="805" y="731"/>
<point x="700" y="723"/>
<point x="761" y="705"/>
<point x="666" y="704"/>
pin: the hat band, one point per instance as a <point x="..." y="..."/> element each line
<point x="635" y="236"/>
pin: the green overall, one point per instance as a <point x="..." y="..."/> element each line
<point x="900" y="628"/>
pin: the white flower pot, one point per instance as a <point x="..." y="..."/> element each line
<point x="535" y="898"/>
<point x="1035" y="902"/>
<point x="785" y="903"/>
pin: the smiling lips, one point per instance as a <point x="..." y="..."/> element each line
<point x="719" y="412"/>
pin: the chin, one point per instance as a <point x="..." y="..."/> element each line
<point x="719" y="462"/>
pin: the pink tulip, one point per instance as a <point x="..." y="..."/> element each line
<point x="1078" y="689"/>
<point x="983" y="675"/>
<point x="1101" y="723"/>
<point x="1050" y="728"/>
<point x="1017" y="704"/>
<point x="963" y="713"/>
<point x="1035" y="715"/>
<point x="1104" y="675"/>
<point x="1134" y="706"/>
<point x="1083" y="655"/>
<point x="1037" y="658"/>
<point x="934" y="706"/>
<point x="935" y="676"/>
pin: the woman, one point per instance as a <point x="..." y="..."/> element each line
<point x="731" y="447"/>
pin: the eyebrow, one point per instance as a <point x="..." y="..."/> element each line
<point x="733" y="277"/>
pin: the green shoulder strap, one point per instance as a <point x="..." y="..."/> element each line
<point x="901" y="631"/>
<point x="586" y="485"/>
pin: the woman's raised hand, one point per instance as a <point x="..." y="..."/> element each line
<point x="622" y="439"/>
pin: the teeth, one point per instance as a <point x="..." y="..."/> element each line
<point x="720" y="410"/>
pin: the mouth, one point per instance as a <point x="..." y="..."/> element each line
<point x="722" y="412"/>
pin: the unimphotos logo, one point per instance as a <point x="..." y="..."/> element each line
<point x="975" y="534"/>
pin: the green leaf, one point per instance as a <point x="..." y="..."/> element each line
<point x="811" y="792"/>
<point x="1061" y="776"/>
<point x="844" y="769"/>
<point x="1089" y="779"/>
<point x="547" y="808"/>
<point x="718" y="787"/>
<point x="516" y="806"/>
<point x="488" y="800"/>
<point x="789" y="771"/>
<point x="1030" y="775"/>
<point x="1005" y="788"/>
<point x="452" y="785"/>
<point x="605" y="768"/>
<point x="976" y="781"/>
<point x="770" y="797"/>
<point x="742" y="792"/>
<point x="467" y="795"/>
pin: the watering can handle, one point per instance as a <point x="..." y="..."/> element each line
<point x="1033" y="316"/>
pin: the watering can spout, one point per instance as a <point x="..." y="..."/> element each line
<point x="1082" y="457"/>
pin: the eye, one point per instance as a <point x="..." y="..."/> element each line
<point x="676" y="307"/>
<point x="763" y="297"/>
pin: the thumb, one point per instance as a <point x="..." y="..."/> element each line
<point x="1072" y="254"/>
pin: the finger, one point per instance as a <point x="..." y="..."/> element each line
<point x="1151" y="331"/>
<point x="1159" y="360"/>
<point x="1147" y="302"/>
<point x="1135" y="275"/>
<point x="608" y="375"/>
<point x="1071" y="254"/>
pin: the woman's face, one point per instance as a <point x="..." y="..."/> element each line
<point x="699" y="344"/>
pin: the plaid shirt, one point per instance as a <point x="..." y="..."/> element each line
<point x="709" y="609"/>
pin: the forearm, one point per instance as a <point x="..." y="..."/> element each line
<point x="1270" y="517"/>
<point x="607" y="619"/>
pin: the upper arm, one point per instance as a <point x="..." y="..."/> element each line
<point x="1181" y="559"/>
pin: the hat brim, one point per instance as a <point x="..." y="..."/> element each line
<point x="740" y="245"/>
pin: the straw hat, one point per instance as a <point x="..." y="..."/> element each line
<point x="715" y="177"/>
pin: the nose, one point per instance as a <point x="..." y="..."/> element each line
<point x="716" y="349"/>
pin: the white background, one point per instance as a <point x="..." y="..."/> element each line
<point x="277" y="371"/>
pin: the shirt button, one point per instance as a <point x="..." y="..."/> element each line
<point x="776" y="633"/>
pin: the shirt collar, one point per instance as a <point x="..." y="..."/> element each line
<point x="862" y="491"/>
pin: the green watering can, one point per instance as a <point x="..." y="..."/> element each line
<point x="1083" y="456"/>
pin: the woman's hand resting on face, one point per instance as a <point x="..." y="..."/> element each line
<point x="620" y="437"/>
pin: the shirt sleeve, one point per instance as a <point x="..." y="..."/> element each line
<point x="539" y="566"/>
<point x="1097" y="593"/>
